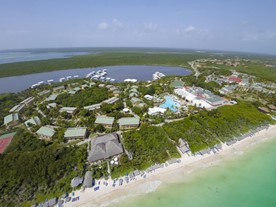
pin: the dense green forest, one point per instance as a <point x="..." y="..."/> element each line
<point x="207" y="128"/>
<point x="34" y="169"/>
<point x="84" y="97"/>
<point x="132" y="57"/>
<point x="148" y="146"/>
<point x="95" y="60"/>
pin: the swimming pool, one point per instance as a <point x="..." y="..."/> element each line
<point x="170" y="103"/>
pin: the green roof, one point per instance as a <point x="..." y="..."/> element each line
<point x="133" y="94"/>
<point x="34" y="120"/>
<point x="68" y="109"/>
<point x="52" y="97"/>
<point x="52" y="105"/>
<point x="136" y="100"/>
<point x="129" y="121"/>
<point x="75" y="132"/>
<point x="104" y="120"/>
<point x="133" y="90"/>
<point x="72" y="92"/>
<point x="177" y="84"/>
<point x="10" y="118"/>
<point x="46" y="131"/>
<point x="77" y="89"/>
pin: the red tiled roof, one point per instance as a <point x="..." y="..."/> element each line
<point x="234" y="79"/>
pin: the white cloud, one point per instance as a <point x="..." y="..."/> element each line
<point x="151" y="26"/>
<point x="190" y="29"/>
<point x="103" y="25"/>
<point x="117" y="24"/>
<point x="257" y="36"/>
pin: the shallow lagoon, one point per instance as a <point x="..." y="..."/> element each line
<point x="139" y="72"/>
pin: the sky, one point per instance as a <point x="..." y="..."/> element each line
<point x="230" y="25"/>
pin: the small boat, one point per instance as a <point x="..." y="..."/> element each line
<point x="61" y="79"/>
<point x="34" y="85"/>
<point x="69" y="77"/>
<point x="95" y="77"/>
<point x="50" y="81"/>
<point x="130" y="80"/>
<point x="103" y="73"/>
<point x="157" y="75"/>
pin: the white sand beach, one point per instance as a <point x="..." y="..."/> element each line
<point x="107" y="195"/>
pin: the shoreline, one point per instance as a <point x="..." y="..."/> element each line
<point x="108" y="195"/>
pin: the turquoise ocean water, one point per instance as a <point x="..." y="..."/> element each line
<point x="247" y="180"/>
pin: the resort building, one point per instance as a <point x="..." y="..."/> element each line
<point x="51" y="202"/>
<point x="233" y="79"/>
<point x="93" y="107"/>
<point x="32" y="121"/>
<point x="129" y="122"/>
<point x="148" y="97"/>
<point x="263" y="109"/>
<point x="51" y="105"/>
<point x="58" y="88"/>
<point x="137" y="102"/>
<point x="104" y="147"/>
<point x="69" y="110"/>
<point x="200" y="97"/>
<point x="228" y="89"/>
<point x="133" y="95"/>
<point x="113" y="88"/>
<point x="52" y="97"/>
<point x="72" y="92"/>
<point x="272" y="107"/>
<point x="133" y="90"/>
<point x="46" y="132"/>
<point x="107" y="122"/>
<point x="111" y="100"/>
<point x="183" y="146"/>
<point x="17" y="109"/>
<point x="75" y="90"/>
<point x="43" y="92"/>
<point x="27" y="101"/>
<point x="11" y="120"/>
<point x="76" y="181"/>
<point x="88" y="180"/>
<point x="84" y="86"/>
<point x="75" y="133"/>
<point x="116" y="92"/>
<point x="156" y="110"/>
